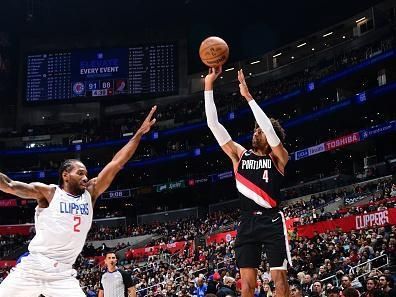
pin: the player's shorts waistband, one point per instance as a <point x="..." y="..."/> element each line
<point x="261" y="212"/>
<point x="51" y="262"/>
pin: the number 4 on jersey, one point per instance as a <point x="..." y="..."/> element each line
<point x="265" y="175"/>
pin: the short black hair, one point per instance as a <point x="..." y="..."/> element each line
<point x="67" y="166"/>
<point x="333" y="291"/>
<point x="296" y="284"/>
<point x="277" y="127"/>
<point x="110" y="252"/>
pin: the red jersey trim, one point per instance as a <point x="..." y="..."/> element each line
<point x="251" y="186"/>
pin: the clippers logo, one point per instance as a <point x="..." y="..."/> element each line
<point x="228" y="237"/>
<point x="78" y="88"/>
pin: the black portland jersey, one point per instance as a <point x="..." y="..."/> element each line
<point x="258" y="182"/>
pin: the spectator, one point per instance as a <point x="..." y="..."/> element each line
<point x="307" y="285"/>
<point x="350" y="292"/>
<point x="386" y="285"/>
<point x="266" y="291"/>
<point x="371" y="286"/>
<point x="346" y="282"/>
<point x="228" y="288"/>
<point x="200" y="287"/>
<point x="295" y="290"/>
<point x="317" y="290"/>
<point x="334" y="292"/>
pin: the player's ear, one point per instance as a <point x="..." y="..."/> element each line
<point x="65" y="175"/>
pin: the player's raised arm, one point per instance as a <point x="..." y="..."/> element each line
<point x="35" y="191"/>
<point x="264" y="123"/>
<point x="231" y="148"/>
<point x="98" y="185"/>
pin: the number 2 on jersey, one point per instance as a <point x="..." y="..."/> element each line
<point x="77" y="223"/>
<point x="265" y="175"/>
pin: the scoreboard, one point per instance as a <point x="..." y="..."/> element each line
<point x="77" y="74"/>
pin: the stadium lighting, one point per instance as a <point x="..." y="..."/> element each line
<point x="229" y="69"/>
<point x="361" y="19"/>
<point x="277" y="55"/>
<point x="302" y="44"/>
<point x="328" y="34"/>
<point x="255" y="62"/>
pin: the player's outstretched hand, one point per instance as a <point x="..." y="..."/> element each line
<point x="212" y="76"/>
<point x="148" y="122"/>
<point x="243" y="88"/>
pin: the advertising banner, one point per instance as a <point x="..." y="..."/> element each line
<point x="358" y="222"/>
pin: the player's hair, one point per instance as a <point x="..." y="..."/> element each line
<point x="67" y="166"/>
<point x="277" y="127"/>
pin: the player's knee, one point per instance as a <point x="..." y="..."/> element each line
<point x="281" y="289"/>
<point x="248" y="286"/>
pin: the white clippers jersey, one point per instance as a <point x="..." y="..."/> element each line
<point x="62" y="227"/>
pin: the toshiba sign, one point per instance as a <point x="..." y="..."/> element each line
<point x="341" y="141"/>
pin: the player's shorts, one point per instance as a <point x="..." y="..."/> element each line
<point x="36" y="274"/>
<point x="262" y="228"/>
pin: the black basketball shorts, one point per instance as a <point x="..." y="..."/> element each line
<point x="257" y="230"/>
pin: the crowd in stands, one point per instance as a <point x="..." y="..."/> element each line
<point x="212" y="269"/>
<point x="184" y="229"/>
<point x="10" y="242"/>
<point x="90" y="129"/>
<point x="313" y="210"/>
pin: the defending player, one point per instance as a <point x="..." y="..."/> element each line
<point x="62" y="220"/>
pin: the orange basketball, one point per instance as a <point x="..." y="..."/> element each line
<point x="213" y="51"/>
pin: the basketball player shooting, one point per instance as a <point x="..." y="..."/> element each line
<point x="258" y="174"/>
<point x="62" y="220"/>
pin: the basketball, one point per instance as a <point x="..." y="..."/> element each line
<point x="213" y="51"/>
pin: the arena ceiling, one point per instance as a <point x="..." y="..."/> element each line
<point x="250" y="27"/>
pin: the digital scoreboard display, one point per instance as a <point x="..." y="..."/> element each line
<point x="70" y="75"/>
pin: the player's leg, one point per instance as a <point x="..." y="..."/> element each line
<point x="249" y="281"/>
<point x="280" y="280"/>
<point x="66" y="287"/>
<point x="248" y="257"/>
<point x="248" y="251"/>
<point x="19" y="284"/>
<point x="277" y="249"/>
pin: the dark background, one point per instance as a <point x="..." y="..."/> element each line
<point x="251" y="28"/>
